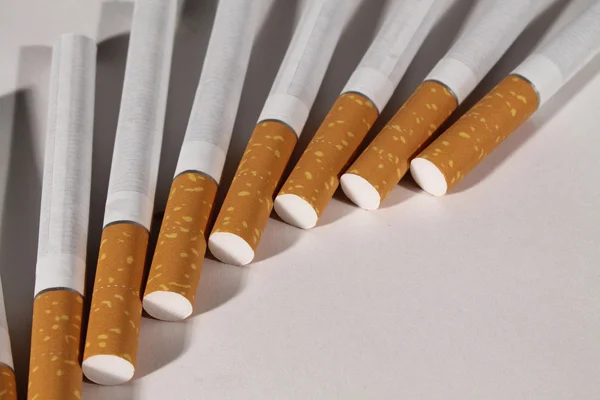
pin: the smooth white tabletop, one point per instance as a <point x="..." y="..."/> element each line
<point x="492" y="292"/>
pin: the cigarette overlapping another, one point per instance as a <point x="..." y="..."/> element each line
<point x="315" y="178"/>
<point x="177" y="262"/>
<point x="249" y="201"/>
<point x="115" y="316"/>
<point x="493" y="28"/>
<point x="446" y="161"/>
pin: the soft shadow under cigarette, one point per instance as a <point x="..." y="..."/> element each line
<point x="128" y="391"/>
<point x="21" y="204"/>
<point x="219" y="283"/>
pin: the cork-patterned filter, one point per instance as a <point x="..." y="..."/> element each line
<point x="249" y="201"/>
<point x="55" y="370"/>
<point x="387" y="158"/>
<point x="8" y="385"/>
<point x="315" y="178"/>
<point x="116" y="310"/>
<point x="175" y="271"/>
<point x="476" y="134"/>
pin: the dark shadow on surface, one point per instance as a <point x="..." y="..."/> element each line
<point x="267" y="54"/>
<point x="160" y="344"/>
<point x="19" y="233"/>
<point x="219" y="284"/>
<point x="128" y="391"/>
<point x="277" y="238"/>
<point x="20" y="220"/>
<point x="518" y="52"/>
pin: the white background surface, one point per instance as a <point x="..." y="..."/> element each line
<point x="492" y="292"/>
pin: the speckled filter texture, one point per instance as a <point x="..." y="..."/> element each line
<point x="477" y="133"/>
<point x="315" y="177"/>
<point x="8" y="386"/>
<point x="182" y="242"/>
<point x="55" y="369"/>
<point x="249" y="201"/>
<point x="116" y="309"/>
<point x="387" y="158"/>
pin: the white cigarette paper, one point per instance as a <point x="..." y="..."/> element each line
<point x="138" y="142"/>
<point x="67" y="166"/>
<point x="551" y="66"/>
<point x="218" y="95"/>
<point x="491" y="30"/>
<point x="385" y="62"/>
<point x="5" y="349"/>
<point x="305" y="63"/>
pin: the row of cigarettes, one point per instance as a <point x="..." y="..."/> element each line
<point x="411" y="140"/>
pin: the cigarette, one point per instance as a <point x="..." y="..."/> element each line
<point x="489" y="32"/>
<point x="7" y="371"/>
<point x="315" y="178"/>
<point x="55" y="369"/>
<point x="177" y="262"/>
<point x="476" y="134"/>
<point x="115" y="316"/>
<point x="249" y="201"/>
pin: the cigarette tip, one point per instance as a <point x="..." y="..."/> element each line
<point x="108" y="370"/>
<point x="360" y="191"/>
<point x="167" y="306"/>
<point x="295" y="211"/>
<point x="230" y="248"/>
<point x="428" y="176"/>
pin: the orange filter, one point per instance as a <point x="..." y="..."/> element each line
<point x="175" y="270"/>
<point x="116" y="310"/>
<point x="385" y="161"/>
<point x="55" y="370"/>
<point x="249" y="201"/>
<point x="476" y="134"/>
<point x="8" y="385"/>
<point x="314" y="180"/>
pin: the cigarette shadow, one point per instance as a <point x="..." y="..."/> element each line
<point x="220" y="283"/>
<point x="520" y="49"/>
<point x="128" y="391"/>
<point x="21" y="204"/>
<point x="436" y="44"/>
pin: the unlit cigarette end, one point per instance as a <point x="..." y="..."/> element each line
<point x="8" y="384"/>
<point x="296" y="211"/>
<point x="360" y="191"/>
<point x="177" y="262"/>
<point x="428" y="177"/>
<point x="249" y="202"/>
<point x="167" y="306"/>
<point x="108" y="370"/>
<point x="314" y="180"/>
<point x="116" y="310"/>
<point x="230" y="248"/>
